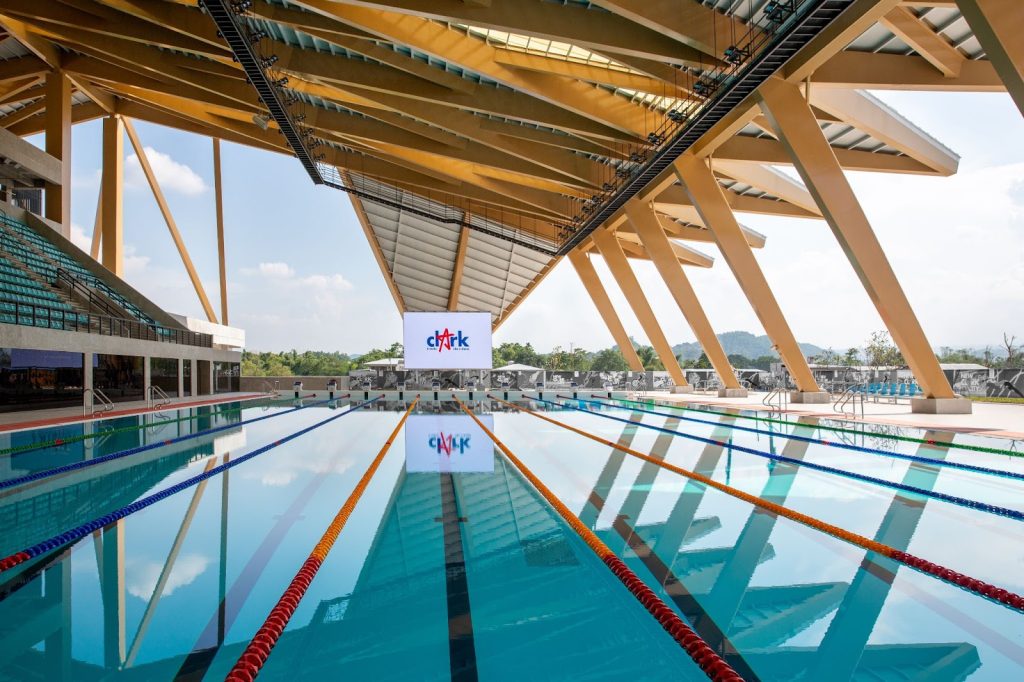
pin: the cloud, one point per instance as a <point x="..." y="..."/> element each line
<point x="143" y="575"/>
<point x="172" y="175"/>
<point x="79" y="237"/>
<point x="271" y="270"/>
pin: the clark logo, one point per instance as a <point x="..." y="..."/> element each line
<point x="446" y="444"/>
<point x="448" y="340"/>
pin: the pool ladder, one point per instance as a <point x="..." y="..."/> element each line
<point x="777" y="399"/>
<point x="853" y="396"/>
<point x="98" y="396"/>
<point x="156" y="397"/>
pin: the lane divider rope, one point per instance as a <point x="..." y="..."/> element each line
<point x="981" y="588"/>
<point x="835" y="471"/>
<point x="83" y="530"/>
<point x="713" y="665"/>
<point x="819" y="441"/>
<point x="839" y="429"/>
<point x="258" y="650"/>
<point x="60" y="442"/>
<point x="82" y="464"/>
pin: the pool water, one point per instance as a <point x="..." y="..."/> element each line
<point x="453" y="566"/>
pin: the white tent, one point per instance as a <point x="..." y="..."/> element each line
<point x="386" y="362"/>
<point x="516" y="367"/>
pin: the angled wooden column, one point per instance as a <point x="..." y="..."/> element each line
<point x="112" y="187"/>
<point x="707" y="196"/>
<point x="57" y="122"/>
<point x="460" y="262"/>
<point x="798" y="129"/>
<point x="218" y="192"/>
<point x="998" y="25"/>
<point x="179" y="243"/>
<point x="592" y="283"/>
<point x="614" y="256"/>
<point x="654" y="239"/>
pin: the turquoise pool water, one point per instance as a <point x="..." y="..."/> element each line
<point x="453" y="567"/>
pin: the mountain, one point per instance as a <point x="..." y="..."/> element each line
<point x="735" y="343"/>
<point x="741" y="343"/>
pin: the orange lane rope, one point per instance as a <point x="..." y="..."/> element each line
<point x="702" y="654"/>
<point x="1010" y="599"/>
<point x="255" y="655"/>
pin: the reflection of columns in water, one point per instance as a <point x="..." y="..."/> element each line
<point x="222" y="580"/>
<point x="112" y="589"/>
<point x="57" y="577"/>
<point x="847" y="635"/>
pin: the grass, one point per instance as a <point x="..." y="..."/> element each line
<point x="1008" y="401"/>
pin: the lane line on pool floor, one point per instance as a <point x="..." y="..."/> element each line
<point x="835" y="471"/>
<point x="249" y="664"/>
<point x="84" y="464"/>
<point x="713" y="665"/>
<point x="1007" y="598"/>
<point x="461" y="643"/>
<point x="819" y="441"/>
<point x="61" y="442"/>
<point x="83" y="530"/>
<point x="837" y="429"/>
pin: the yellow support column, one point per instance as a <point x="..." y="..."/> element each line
<point x="708" y="198"/>
<point x="614" y="256"/>
<point x="57" y="123"/>
<point x="798" y="129"/>
<point x="218" y="192"/>
<point x="998" y="25"/>
<point x="592" y="283"/>
<point x="655" y="241"/>
<point x="112" y="187"/>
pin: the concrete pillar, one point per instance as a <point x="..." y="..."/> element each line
<point x="181" y="377"/>
<point x="87" y="360"/>
<point x="194" y="377"/>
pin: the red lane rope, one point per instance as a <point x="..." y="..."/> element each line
<point x="981" y="588"/>
<point x="713" y="665"/>
<point x="256" y="653"/>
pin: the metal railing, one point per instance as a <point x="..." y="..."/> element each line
<point x="266" y="387"/>
<point x="105" y="403"/>
<point x="777" y="399"/>
<point x="44" y="316"/>
<point x="157" y="397"/>
<point x="852" y="396"/>
<point x="95" y="301"/>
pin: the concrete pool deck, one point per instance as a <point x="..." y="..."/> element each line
<point x="988" y="419"/>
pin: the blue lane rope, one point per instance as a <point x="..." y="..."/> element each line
<point x="81" y="531"/>
<point x="74" y="466"/>
<point x="953" y="499"/>
<point x="818" y="441"/>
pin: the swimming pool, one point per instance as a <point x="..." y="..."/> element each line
<point x="454" y="566"/>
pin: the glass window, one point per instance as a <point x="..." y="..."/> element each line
<point x="226" y="377"/>
<point x="118" y="376"/>
<point x="186" y="378"/>
<point x="36" y="379"/>
<point x="163" y="373"/>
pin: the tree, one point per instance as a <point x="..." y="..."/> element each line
<point x="826" y="357"/>
<point x="881" y="352"/>
<point x="701" y="362"/>
<point x="1013" y="352"/>
<point x="609" y="360"/>
<point x="649" y="358"/>
<point x="852" y="357"/>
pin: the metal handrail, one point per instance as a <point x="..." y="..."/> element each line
<point x="852" y="396"/>
<point x="266" y="387"/>
<point x="33" y="315"/>
<point x="106" y="404"/>
<point x="157" y="397"/>
<point x="780" y="392"/>
<point x="80" y="288"/>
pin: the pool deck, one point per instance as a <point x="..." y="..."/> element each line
<point x="17" y="421"/>
<point x="988" y="419"/>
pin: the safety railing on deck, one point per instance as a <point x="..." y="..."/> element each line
<point x="851" y="397"/>
<point x="157" y="397"/>
<point x="98" y="396"/>
<point x="777" y="399"/>
<point x="44" y="316"/>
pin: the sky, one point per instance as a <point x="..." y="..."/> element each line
<point x="301" y="275"/>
